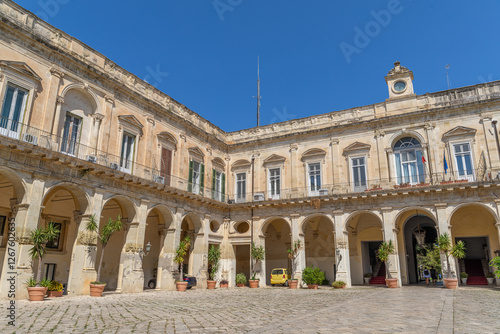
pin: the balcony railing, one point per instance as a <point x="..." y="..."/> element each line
<point x="73" y="149"/>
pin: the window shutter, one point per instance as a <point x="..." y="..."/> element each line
<point x="213" y="183"/>
<point x="202" y="179"/>
<point x="223" y="187"/>
<point x="397" y="158"/>
<point x="166" y="164"/>
<point x="190" y="178"/>
<point x="420" y="166"/>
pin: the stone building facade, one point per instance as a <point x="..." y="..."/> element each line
<point x="81" y="136"/>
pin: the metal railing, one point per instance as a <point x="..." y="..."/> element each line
<point x="74" y="149"/>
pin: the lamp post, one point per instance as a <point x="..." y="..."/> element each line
<point x="148" y="249"/>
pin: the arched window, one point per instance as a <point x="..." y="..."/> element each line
<point x="409" y="161"/>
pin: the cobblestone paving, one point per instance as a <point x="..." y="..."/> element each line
<point x="417" y="309"/>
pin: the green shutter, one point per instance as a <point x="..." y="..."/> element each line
<point x="214" y="173"/>
<point x="202" y="179"/>
<point x="223" y="187"/>
<point x="190" y="178"/>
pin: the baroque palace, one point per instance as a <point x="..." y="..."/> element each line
<point x="81" y="136"/>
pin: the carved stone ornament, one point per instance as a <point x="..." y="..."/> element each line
<point x="60" y="100"/>
<point x="341" y="244"/>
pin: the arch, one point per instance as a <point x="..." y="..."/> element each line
<point x="86" y="90"/>
<point x="167" y="136"/>
<point x="412" y="208"/>
<point x="313" y="153"/>
<point x="126" y="204"/>
<point x="360" y="212"/>
<point x="17" y="182"/>
<point x="215" y="226"/>
<point x="194" y="221"/>
<point x="270" y="220"/>
<point x="241" y="163"/>
<point x="460" y="206"/>
<point x="307" y="219"/>
<point x="166" y="213"/>
<point x="81" y="198"/>
<point x="405" y="133"/>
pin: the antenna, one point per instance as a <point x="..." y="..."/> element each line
<point x="258" y="92"/>
<point x="447" y="76"/>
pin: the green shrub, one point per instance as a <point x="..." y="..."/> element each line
<point x="338" y="284"/>
<point x="463" y="275"/>
<point x="367" y="275"/>
<point x="313" y="275"/>
<point x="495" y="262"/>
<point x="55" y="286"/>
<point x="31" y="283"/>
<point x="45" y="283"/>
<point x="241" y="278"/>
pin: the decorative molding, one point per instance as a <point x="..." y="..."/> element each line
<point x="459" y="131"/>
<point x="313" y="153"/>
<point x="60" y="100"/>
<point x="20" y="68"/>
<point x="356" y="147"/>
<point x="57" y="72"/>
<point x="109" y="98"/>
<point x="196" y="152"/>
<point x="131" y="120"/>
<point x="274" y="158"/>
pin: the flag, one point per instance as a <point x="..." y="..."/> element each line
<point x="423" y="159"/>
<point x="445" y="163"/>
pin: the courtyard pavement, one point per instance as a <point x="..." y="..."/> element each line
<point x="414" y="309"/>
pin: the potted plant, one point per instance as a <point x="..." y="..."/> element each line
<point x="463" y="277"/>
<point x="213" y="264"/>
<point x="339" y="284"/>
<point x="384" y="252"/>
<point x="39" y="239"/>
<point x="490" y="277"/>
<point x="111" y="226"/>
<point x="224" y="283"/>
<point x="257" y="254"/>
<point x="444" y="244"/>
<point x="55" y="289"/>
<point x="36" y="292"/>
<point x="292" y="255"/>
<point x="180" y="255"/>
<point x="367" y="277"/>
<point x="313" y="276"/>
<point x="495" y="262"/>
<point x="241" y="280"/>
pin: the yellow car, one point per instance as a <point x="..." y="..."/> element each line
<point x="280" y="276"/>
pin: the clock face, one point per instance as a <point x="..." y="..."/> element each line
<point x="399" y="86"/>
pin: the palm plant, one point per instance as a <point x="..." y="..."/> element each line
<point x="496" y="262"/>
<point x="384" y="251"/>
<point x="444" y="244"/>
<point x="257" y="254"/>
<point x="181" y="252"/>
<point x="39" y="239"/>
<point x="293" y="253"/>
<point x="111" y="226"/>
<point x="213" y="261"/>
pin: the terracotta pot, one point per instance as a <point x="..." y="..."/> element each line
<point x="96" y="290"/>
<point x="391" y="282"/>
<point x="313" y="286"/>
<point x="240" y="285"/>
<point x="339" y="287"/>
<point x="490" y="280"/>
<point x="254" y="283"/>
<point x="224" y="285"/>
<point x="51" y="294"/>
<point x="292" y="284"/>
<point x="450" y="283"/>
<point x="211" y="285"/>
<point x="37" y="293"/>
<point x="181" y="286"/>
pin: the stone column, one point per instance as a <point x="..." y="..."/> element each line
<point x="336" y="164"/>
<point x="131" y="275"/>
<point x="390" y="233"/>
<point x="25" y="216"/>
<point x="94" y="138"/>
<point x="110" y="102"/>
<point x="298" y="234"/>
<point x="294" y="175"/>
<point x="392" y="172"/>
<point x="57" y="117"/>
<point x="52" y="95"/>
<point x="378" y="135"/>
<point x="199" y="255"/>
<point x="342" y="249"/>
<point x="444" y="227"/>
<point x="431" y="150"/>
<point x="168" y="270"/>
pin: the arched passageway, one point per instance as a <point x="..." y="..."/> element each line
<point x="320" y="244"/>
<point x="193" y="264"/>
<point x="278" y="241"/>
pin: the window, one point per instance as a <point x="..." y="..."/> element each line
<point x="2" y="225"/>
<point x="54" y="243"/>
<point x="12" y="111"/>
<point x="241" y="187"/>
<point x="409" y="162"/>
<point x="50" y="270"/>
<point x="127" y="153"/>
<point x="196" y="177"/>
<point x="464" y="161"/>
<point x="166" y="164"/>
<point x="218" y="185"/>
<point x="274" y="183"/>
<point x="314" y="178"/>
<point x="359" y="173"/>
<point x="71" y="133"/>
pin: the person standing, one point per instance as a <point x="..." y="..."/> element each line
<point x="433" y="275"/>
<point x="427" y="275"/>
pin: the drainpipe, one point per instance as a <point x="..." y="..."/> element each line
<point x="494" y="122"/>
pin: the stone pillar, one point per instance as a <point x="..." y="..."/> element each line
<point x="298" y="234"/>
<point x="199" y="255"/>
<point x="25" y="216"/>
<point x="228" y="260"/>
<point x="378" y="135"/>
<point x="149" y="152"/>
<point x="95" y="133"/>
<point x="444" y="227"/>
<point x="57" y="116"/>
<point x="294" y="173"/>
<point x="336" y="163"/>
<point x="392" y="173"/>
<point x="432" y="151"/>
<point x="131" y="275"/>
<point x="168" y="270"/>
<point x="110" y="102"/>
<point x="390" y="234"/>
<point x="259" y="240"/>
<point x="52" y="95"/>
<point x="342" y="249"/>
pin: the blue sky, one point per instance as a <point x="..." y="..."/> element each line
<point x="315" y="56"/>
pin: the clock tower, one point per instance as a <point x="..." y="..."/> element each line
<point x="399" y="79"/>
